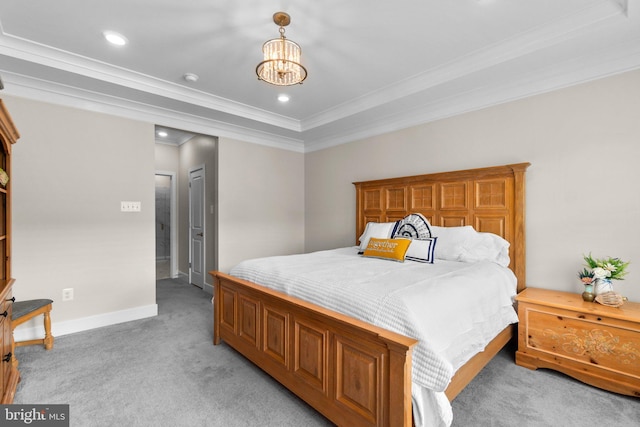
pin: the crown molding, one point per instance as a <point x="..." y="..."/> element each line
<point x="624" y="57"/>
<point x="330" y="128"/>
<point x="565" y="28"/>
<point x="539" y="38"/>
<point x="55" y="58"/>
<point x="572" y="72"/>
<point x="54" y="93"/>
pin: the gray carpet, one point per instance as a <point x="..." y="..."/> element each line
<point x="165" y="371"/>
<point x="161" y="371"/>
<point x="506" y="395"/>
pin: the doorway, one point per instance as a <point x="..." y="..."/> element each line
<point x="182" y="153"/>
<point x="165" y="197"/>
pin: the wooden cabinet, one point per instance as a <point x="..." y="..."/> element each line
<point x="596" y="344"/>
<point x="8" y="372"/>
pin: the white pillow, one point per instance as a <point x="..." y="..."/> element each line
<point x="451" y="240"/>
<point x="465" y="244"/>
<point x="487" y="247"/>
<point x="421" y="250"/>
<point x="379" y="230"/>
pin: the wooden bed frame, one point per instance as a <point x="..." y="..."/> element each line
<point x="354" y="373"/>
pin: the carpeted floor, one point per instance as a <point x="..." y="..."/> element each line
<point x="507" y="395"/>
<point x="165" y="371"/>
<point x="161" y="371"/>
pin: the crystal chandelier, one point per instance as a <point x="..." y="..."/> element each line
<point x="281" y="65"/>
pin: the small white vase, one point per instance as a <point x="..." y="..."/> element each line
<point x="602" y="286"/>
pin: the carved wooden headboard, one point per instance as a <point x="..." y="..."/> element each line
<point x="490" y="199"/>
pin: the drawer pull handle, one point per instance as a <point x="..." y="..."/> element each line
<point x="7" y="357"/>
<point x="5" y="314"/>
<point x="13" y="299"/>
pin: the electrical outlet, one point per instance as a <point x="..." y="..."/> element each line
<point x="67" y="294"/>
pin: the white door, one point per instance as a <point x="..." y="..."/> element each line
<point x="196" y="227"/>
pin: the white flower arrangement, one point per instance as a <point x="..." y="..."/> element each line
<point x="604" y="268"/>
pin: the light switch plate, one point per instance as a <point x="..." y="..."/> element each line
<point x="130" y="207"/>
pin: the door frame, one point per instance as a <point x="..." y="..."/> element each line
<point x="173" y="235"/>
<point x="204" y="221"/>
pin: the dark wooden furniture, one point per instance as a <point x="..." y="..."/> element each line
<point x="596" y="344"/>
<point x="354" y="373"/>
<point x="9" y="375"/>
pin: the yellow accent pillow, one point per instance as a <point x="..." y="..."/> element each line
<point x="393" y="249"/>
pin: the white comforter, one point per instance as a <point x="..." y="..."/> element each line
<point x="453" y="309"/>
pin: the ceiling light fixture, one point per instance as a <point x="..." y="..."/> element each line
<point x="115" y="38"/>
<point x="283" y="98"/>
<point x="162" y="134"/>
<point x="281" y="65"/>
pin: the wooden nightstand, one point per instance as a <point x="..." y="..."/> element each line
<point x="593" y="343"/>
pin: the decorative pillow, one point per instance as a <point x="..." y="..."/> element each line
<point x="422" y="250"/>
<point x="380" y="230"/>
<point x="413" y="226"/>
<point x="393" y="249"/>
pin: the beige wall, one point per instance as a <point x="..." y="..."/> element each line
<point x="167" y="158"/>
<point x="582" y="142"/>
<point x="260" y="202"/>
<point x="72" y="168"/>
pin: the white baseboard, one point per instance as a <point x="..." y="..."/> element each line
<point x="24" y="332"/>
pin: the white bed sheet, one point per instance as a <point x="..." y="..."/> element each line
<point x="453" y="309"/>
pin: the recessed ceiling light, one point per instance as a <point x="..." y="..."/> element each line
<point x="283" y="98"/>
<point x="115" y="38"/>
<point x="162" y="134"/>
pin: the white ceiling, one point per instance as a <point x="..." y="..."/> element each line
<point x="374" y="66"/>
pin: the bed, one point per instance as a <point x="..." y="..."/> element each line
<point x="353" y="372"/>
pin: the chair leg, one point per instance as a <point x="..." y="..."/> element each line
<point x="48" y="338"/>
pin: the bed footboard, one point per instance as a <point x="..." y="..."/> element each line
<point x="354" y="373"/>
